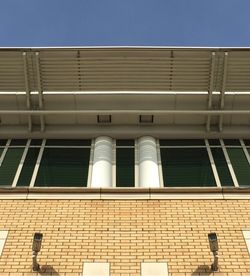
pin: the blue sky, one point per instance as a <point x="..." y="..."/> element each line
<point x="125" y="23"/>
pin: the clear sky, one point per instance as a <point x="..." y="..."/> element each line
<point x="125" y="23"/>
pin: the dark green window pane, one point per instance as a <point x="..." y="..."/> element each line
<point x="222" y="168"/>
<point x="231" y="142"/>
<point x="240" y="165"/>
<point x="10" y="165"/>
<point x="214" y="142"/>
<point x="28" y="167"/>
<point x="3" y="142"/>
<point x="36" y="142"/>
<point x="186" y="167"/>
<point x="247" y="142"/>
<point x="125" y="143"/>
<point x="67" y="142"/>
<point x="64" y="167"/>
<point x="125" y="167"/>
<point x="18" y="142"/>
<point x="182" y="142"/>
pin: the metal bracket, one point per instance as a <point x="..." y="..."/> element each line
<point x="210" y="90"/>
<point x="27" y="89"/>
<point x="40" y="92"/>
<point x="222" y="99"/>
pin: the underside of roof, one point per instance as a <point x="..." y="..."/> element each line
<point x="124" y="69"/>
<point x="74" y="85"/>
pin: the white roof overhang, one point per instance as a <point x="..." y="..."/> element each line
<point x="196" y="92"/>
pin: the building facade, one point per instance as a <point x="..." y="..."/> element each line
<point x="125" y="159"/>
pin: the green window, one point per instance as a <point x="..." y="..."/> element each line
<point x="247" y="142"/>
<point x="36" y="142"/>
<point x="214" y="142"/>
<point x="125" y="163"/>
<point x="182" y="142"/>
<point x="64" y="167"/>
<point x="18" y="142"/>
<point x="9" y="166"/>
<point x="28" y="167"/>
<point x="231" y="142"/>
<point x="186" y="167"/>
<point x="67" y="142"/>
<point x="240" y="165"/>
<point x="3" y="142"/>
<point x="222" y="167"/>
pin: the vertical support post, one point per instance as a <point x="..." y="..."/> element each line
<point x="159" y="162"/>
<point x="4" y="152"/>
<point x="212" y="163"/>
<point x="38" y="161"/>
<point x="136" y="164"/>
<point x="245" y="150"/>
<point x="40" y="92"/>
<point x="222" y="100"/>
<point x="148" y="163"/>
<point x="210" y="91"/>
<point x="91" y="158"/>
<point x="113" y="163"/>
<point x="230" y="167"/>
<point x="20" y="166"/>
<point x="27" y="89"/>
<point x="102" y="163"/>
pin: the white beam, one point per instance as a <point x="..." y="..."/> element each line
<point x="128" y="111"/>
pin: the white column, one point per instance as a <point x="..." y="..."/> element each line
<point x="102" y="163"/>
<point x="148" y="165"/>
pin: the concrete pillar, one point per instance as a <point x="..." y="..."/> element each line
<point x="148" y="165"/>
<point x="102" y="163"/>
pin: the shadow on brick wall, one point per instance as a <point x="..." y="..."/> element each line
<point x="48" y="270"/>
<point x="203" y="270"/>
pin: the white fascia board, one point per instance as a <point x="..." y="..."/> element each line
<point x="173" y="47"/>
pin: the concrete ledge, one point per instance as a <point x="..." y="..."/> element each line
<point x="125" y="193"/>
<point x="186" y="196"/>
<point x="64" y="196"/>
<point x="175" y="190"/>
<point x="237" y="196"/>
<point x="13" y="196"/>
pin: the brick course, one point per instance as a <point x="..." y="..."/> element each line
<point x="125" y="233"/>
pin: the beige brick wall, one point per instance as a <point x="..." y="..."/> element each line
<point x="124" y="233"/>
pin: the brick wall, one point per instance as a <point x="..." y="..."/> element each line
<point x="124" y="233"/>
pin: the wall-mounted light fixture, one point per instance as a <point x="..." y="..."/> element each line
<point x="213" y="243"/>
<point x="36" y="247"/>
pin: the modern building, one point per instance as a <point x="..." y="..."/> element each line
<point x="125" y="159"/>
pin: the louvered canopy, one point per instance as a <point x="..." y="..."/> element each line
<point x="55" y="87"/>
<point x="117" y="69"/>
